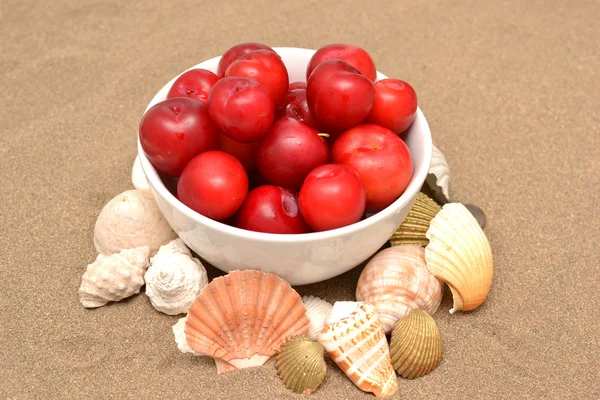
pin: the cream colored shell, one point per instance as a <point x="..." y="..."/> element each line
<point x="129" y="220"/>
<point x="438" y="176"/>
<point x="459" y="254"/>
<point x="180" y="340"/>
<point x="138" y="178"/>
<point x="114" y="277"/>
<point x="317" y="311"/>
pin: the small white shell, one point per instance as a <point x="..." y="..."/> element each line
<point x="114" y="277"/>
<point x="438" y="177"/>
<point x="130" y="220"/>
<point x="180" y="339"/>
<point x="137" y="175"/>
<point x="317" y="311"/>
<point x="174" y="278"/>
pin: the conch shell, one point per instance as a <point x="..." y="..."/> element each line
<point x="416" y="347"/>
<point x="355" y="341"/>
<point x="301" y="365"/>
<point x="174" y="278"/>
<point x="114" y="277"/>
<point x="438" y="177"/>
<point x="397" y="281"/>
<point x="415" y="225"/>
<point x="180" y="340"/>
<point x="317" y="311"/>
<point x="138" y="178"/>
<point x="131" y="219"/>
<point x="242" y="318"/>
<point x="459" y="254"/>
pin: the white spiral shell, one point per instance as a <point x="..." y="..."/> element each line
<point x="438" y="177"/>
<point x="178" y="332"/>
<point x="317" y="311"/>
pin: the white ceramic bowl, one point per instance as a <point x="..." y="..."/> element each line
<point x="299" y="259"/>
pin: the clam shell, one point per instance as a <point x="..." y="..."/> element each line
<point x="397" y="281"/>
<point x="301" y="364"/>
<point x="438" y="177"/>
<point x="114" y="277"/>
<point x="138" y="178"/>
<point x="356" y="342"/>
<point x="459" y="254"/>
<point x="416" y="347"/>
<point x="415" y="225"/>
<point x="317" y="311"/>
<point x="243" y="317"/>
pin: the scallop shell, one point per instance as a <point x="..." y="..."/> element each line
<point x="438" y="177"/>
<point x="138" y="178"/>
<point x="180" y="340"/>
<point x="355" y="341"/>
<point x="317" y="311"/>
<point x="416" y="347"/>
<point x="415" y="225"/>
<point x="114" y="277"/>
<point x="243" y="317"/>
<point x="397" y="281"/>
<point x="301" y="364"/>
<point x="129" y="220"/>
<point x="459" y="254"/>
<point x="174" y="278"/>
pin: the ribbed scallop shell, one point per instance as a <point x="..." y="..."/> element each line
<point x="301" y="364"/>
<point x="317" y="310"/>
<point x="397" y="281"/>
<point x="242" y="318"/>
<point x="459" y="254"/>
<point x="416" y="347"/>
<point x="138" y="178"/>
<point x="114" y="277"/>
<point x="356" y="342"/>
<point x="415" y="225"/>
<point x="438" y="177"/>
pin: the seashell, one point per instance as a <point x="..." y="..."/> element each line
<point x="114" y="277"/>
<point x="355" y="341"/>
<point x="138" y="178"/>
<point x="459" y="254"/>
<point x="243" y="317"/>
<point x="317" y="311"/>
<point x="301" y="364"/>
<point x="416" y="347"/>
<point x="178" y="332"/>
<point x="438" y="177"/>
<point x="478" y="213"/>
<point x="397" y="281"/>
<point x="174" y="278"/>
<point x="415" y="225"/>
<point x="129" y="220"/>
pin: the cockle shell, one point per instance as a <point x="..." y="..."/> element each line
<point x="138" y="178"/>
<point x="301" y="364"/>
<point x="180" y="340"/>
<point x="459" y="254"/>
<point x="416" y="346"/>
<point x="174" y="278"/>
<point x="415" y="225"/>
<point x="129" y="220"/>
<point x="397" y="281"/>
<point x="243" y="317"/>
<point x="355" y="341"/>
<point x="438" y="177"/>
<point x="317" y="310"/>
<point x="114" y="277"/>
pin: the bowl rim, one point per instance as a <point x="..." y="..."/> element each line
<point x="409" y="193"/>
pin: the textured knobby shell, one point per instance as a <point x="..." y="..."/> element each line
<point x="174" y="278"/>
<point x="397" y="281"/>
<point x="317" y="310"/>
<point x="459" y="254"/>
<point x="114" y="277"/>
<point x="438" y="177"/>
<point x="301" y="364"/>
<point x="180" y="340"/>
<point x="138" y="178"/>
<point x="415" y="225"/>
<point x="243" y="317"/>
<point x="416" y="346"/>
<point x="130" y="220"/>
<point x="356" y="342"/>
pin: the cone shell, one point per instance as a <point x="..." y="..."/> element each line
<point x="301" y="364"/>
<point x="242" y="318"/>
<point x="415" y="225"/>
<point x="438" y="177"/>
<point x="317" y="311"/>
<point x="459" y="254"/>
<point x="397" y="281"/>
<point x="356" y="342"/>
<point x="416" y="347"/>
